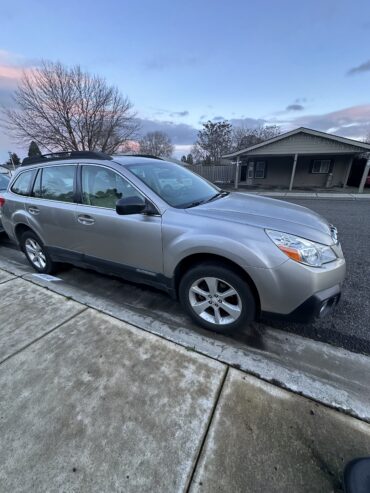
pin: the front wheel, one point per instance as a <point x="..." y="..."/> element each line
<point x="217" y="298"/>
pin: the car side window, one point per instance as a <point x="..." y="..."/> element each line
<point x="4" y="181"/>
<point x="55" y="183"/>
<point x="22" y="183"/>
<point x="102" y="187"/>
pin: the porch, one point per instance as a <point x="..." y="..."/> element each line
<point x="302" y="158"/>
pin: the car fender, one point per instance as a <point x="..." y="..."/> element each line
<point x="257" y="252"/>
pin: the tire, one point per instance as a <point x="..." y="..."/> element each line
<point x="202" y="293"/>
<point x="36" y="253"/>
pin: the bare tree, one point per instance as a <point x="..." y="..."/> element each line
<point x="244" y="137"/>
<point x="213" y="141"/>
<point x="157" y="144"/>
<point x="66" y="109"/>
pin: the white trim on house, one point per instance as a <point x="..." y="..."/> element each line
<point x="308" y="131"/>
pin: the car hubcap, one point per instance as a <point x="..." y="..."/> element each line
<point x="35" y="253"/>
<point x="215" y="301"/>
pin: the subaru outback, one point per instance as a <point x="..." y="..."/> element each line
<point x="228" y="257"/>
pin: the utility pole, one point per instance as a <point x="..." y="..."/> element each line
<point x="11" y="159"/>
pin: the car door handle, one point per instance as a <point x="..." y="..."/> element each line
<point x="33" y="210"/>
<point x="85" y="219"/>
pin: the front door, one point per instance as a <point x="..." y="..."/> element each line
<point x="250" y="174"/>
<point x="133" y="241"/>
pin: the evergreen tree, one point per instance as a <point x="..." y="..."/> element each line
<point x="183" y="159"/>
<point x="14" y="160"/>
<point x="190" y="159"/>
<point x="33" y="150"/>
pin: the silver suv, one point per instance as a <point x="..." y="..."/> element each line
<point x="228" y="257"/>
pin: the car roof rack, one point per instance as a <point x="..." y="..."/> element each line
<point x="60" y="156"/>
<point x="151" y="156"/>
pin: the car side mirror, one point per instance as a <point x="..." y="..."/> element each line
<point x="135" y="205"/>
<point x="130" y="205"/>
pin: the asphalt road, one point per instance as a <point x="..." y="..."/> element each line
<point x="348" y="326"/>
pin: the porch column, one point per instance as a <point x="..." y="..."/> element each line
<point x="237" y="168"/>
<point x="364" y="176"/>
<point x="348" y="171"/>
<point x="293" y="172"/>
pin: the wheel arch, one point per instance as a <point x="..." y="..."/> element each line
<point x="198" y="258"/>
<point x="20" y="229"/>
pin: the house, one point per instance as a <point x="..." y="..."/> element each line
<point x="301" y="158"/>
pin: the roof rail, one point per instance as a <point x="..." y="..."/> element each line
<point x="140" y="155"/>
<point x="59" y="156"/>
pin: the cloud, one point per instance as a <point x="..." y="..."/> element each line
<point x="12" y="67"/>
<point x="161" y="62"/>
<point x="364" y="67"/>
<point x="179" y="133"/>
<point x="180" y="113"/>
<point x="352" y="122"/>
<point x="248" y="122"/>
<point x="218" y="119"/>
<point x="294" y="107"/>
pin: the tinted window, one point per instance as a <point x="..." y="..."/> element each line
<point x="176" y="185"/>
<point x="22" y="183"/>
<point x="4" y="180"/>
<point x="102" y="187"/>
<point x="55" y="183"/>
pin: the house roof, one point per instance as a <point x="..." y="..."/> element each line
<point x="308" y="131"/>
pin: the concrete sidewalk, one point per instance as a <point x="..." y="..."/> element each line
<point x="91" y="403"/>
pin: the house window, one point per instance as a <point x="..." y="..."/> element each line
<point x="260" y="169"/>
<point x="320" y="166"/>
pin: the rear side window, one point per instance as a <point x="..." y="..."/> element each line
<point x="4" y="181"/>
<point x="55" y="183"/>
<point x="21" y="185"/>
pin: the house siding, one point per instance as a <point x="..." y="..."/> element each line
<point x="305" y="144"/>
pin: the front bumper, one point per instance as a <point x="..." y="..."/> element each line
<point x="285" y="289"/>
<point x="316" y="306"/>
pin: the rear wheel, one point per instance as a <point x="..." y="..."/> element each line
<point x="217" y="298"/>
<point x="36" y="253"/>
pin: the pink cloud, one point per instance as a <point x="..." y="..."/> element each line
<point x="9" y="72"/>
<point x="12" y="65"/>
<point x="353" y="121"/>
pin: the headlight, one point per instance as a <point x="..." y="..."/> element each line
<point x="302" y="250"/>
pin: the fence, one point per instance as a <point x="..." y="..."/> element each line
<point x="221" y="174"/>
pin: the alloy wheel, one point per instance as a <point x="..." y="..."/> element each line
<point x="35" y="253"/>
<point x="215" y="301"/>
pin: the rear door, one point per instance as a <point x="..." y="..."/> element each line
<point x="51" y="207"/>
<point x="133" y="241"/>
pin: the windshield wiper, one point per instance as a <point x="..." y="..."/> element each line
<point x="195" y="203"/>
<point x="218" y="195"/>
<point x="222" y="193"/>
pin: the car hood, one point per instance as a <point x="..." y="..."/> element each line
<point x="263" y="212"/>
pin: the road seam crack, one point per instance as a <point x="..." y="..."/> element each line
<point x="43" y="335"/>
<point x="205" y="435"/>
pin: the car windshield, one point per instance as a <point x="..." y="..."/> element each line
<point x="176" y="185"/>
<point x="4" y="181"/>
